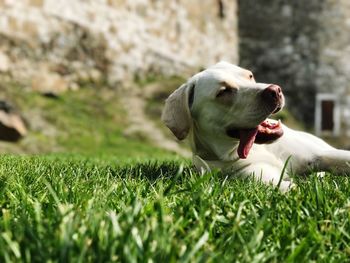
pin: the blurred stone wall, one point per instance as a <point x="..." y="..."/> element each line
<point x="334" y="52"/>
<point x="280" y="42"/>
<point x="64" y="43"/>
<point x="302" y="45"/>
<point x="334" y="63"/>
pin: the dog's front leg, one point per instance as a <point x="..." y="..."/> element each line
<point x="337" y="161"/>
<point x="269" y="174"/>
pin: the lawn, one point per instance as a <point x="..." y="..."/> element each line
<point x="85" y="192"/>
<point x="84" y="209"/>
<point x="90" y="121"/>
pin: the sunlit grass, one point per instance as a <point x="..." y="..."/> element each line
<point x="90" y="121"/>
<point x="96" y="195"/>
<point x="72" y="208"/>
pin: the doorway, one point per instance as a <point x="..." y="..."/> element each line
<point x="327" y="115"/>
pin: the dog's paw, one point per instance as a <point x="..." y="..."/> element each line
<point x="320" y="174"/>
<point x="201" y="166"/>
<point x="286" y="186"/>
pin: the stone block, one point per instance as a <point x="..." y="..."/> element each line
<point x="13" y="24"/>
<point x="116" y="3"/>
<point x="30" y="28"/>
<point x="4" y="62"/>
<point x="48" y="83"/>
<point x="36" y="3"/>
<point x="12" y="127"/>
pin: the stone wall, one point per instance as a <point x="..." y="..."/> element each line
<point x="280" y="42"/>
<point x="301" y="45"/>
<point x="334" y="65"/>
<point x="334" y="43"/>
<point x="77" y="41"/>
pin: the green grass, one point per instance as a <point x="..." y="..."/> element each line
<point x="96" y="195"/>
<point x="78" y="209"/>
<point x="90" y="121"/>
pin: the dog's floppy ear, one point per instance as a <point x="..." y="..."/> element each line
<point x="176" y="114"/>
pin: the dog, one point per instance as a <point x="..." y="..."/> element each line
<point x="224" y="112"/>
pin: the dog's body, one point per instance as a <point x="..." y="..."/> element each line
<point x="224" y="112"/>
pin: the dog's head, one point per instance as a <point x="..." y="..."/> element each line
<point x="225" y="102"/>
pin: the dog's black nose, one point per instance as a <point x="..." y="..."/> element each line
<point x="272" y="94"/>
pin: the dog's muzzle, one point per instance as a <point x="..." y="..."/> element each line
<point x="273" y="97"/>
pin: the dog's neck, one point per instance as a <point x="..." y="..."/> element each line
<point x="211" y="148"/>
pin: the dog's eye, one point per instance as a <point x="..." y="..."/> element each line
<point x="251" y="76"/>
<point x="225" y="91"/>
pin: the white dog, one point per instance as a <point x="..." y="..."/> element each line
<point x="224" y="112"/>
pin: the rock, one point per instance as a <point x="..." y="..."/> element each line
<point x="6" y="107"/>
<point x="36" y="3"/>
<point x="12" y="127"/>
<point x="73" y="86"/>
<point x="95" y="75"/>
<point x="49" y="84"/>
<point x="83" y="76"/>
<point x="4" y="62"/>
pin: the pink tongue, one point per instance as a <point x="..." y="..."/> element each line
<point x="246" y="140"/>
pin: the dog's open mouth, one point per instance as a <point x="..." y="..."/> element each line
<point x="266" y="132"/>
